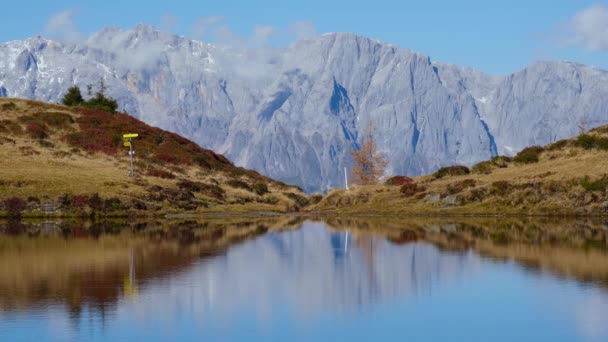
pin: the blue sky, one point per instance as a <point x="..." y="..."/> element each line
<point x="493" y="36"/>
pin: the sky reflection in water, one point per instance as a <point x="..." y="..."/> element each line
<point x="313" y="283"/>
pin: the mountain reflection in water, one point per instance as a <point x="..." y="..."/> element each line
<point x="287" y="278"/>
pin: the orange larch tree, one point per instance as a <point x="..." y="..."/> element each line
<point x="369" y="161"/>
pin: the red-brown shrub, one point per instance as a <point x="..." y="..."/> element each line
<point x="398" y="180"/>
<point x="79" y="201"/>
<point x="36" y="131"/>
<point x="14" y="206"/>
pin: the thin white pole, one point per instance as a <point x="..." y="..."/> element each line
<point x="131" y="172"/>
<point x="345" y="179"/>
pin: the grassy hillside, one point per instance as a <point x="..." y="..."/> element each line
<point x="70" y="160"/>
<point x="569" y="177"/>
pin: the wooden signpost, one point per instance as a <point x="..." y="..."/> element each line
<point x="128" y="142"/>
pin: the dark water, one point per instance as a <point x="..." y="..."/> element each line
<point x="294" y="280"/>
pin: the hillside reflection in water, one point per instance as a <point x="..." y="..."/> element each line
<point x="291" y="279"/>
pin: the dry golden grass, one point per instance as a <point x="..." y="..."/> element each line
<point x="46" y="171"/>
<point x="563" y="167"/>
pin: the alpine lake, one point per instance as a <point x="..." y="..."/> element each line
<point x="305" y="279"/>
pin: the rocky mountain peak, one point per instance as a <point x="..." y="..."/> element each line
<point x="294" y="114"/>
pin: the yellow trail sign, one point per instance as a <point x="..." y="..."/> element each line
<point x="130" y="135"/>
<point x="127" y="144"/>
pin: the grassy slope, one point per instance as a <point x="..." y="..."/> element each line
<point x="49" y="150"/>
<point x="552" y="186"/>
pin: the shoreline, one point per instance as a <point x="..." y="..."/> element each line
<point x="313" y="214"/>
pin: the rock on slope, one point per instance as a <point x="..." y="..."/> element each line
<point x="294" y="114"/>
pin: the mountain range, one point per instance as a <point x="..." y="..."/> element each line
<point x="295" y="113"/>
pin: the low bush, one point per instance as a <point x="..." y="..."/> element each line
<point x="501" y="161"/>
<point x="315" y="198"/>
<point x="398" y="181"/>
<point x="299" y="200"/>
<point x="95" y="202"/>
<point x="79" y="201"/>
<point x="238" y="184"/>
<point x="139" y="205"/>
<point x="588" y="142"/>
<point x="202" y="162"/>
<point x="205" y="189"/>
<point x="56" y="119"/>
<point x="33" y="199"/>
<point x="112" y="204"/>
<point x="558" y="145"/>
<point x="410" y="189"/>
<point x="529" y="155"/>
<point x="483" y="168"/>
<point x="459" y="186"/>
<point x="14" y="206"/>
<point x="260" y="188"/>
<point x="36" y="131"/>
<point x="8" y="126"/>
<point x="594" y="185"/>
<point x="457" y="170"/>
<point x="500" y="188"/>
<point x="190" y="185"/>
<point x="10" y="106"/>
<point x="272" y="200"/>
<point x="601" y="130"/>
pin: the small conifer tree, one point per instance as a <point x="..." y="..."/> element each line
<point x="98" y="101"/>
<point x="73" y="97"/>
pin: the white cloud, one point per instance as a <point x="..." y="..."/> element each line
<point x="61" y="26"/>
<point x="588" y="29"/>
<point x="262" y="34"/>
<point x="303" y="30"/>
<point x="128" y="55"/>
<point x="202" y="26"/>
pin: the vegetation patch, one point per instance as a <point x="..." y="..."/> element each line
<point x="460" y="186"/>
<point x="260" y="188"/>
<point x="457" y="170"/>
<point x="487" y="166"/>
<point x="98" y="101"/>
<point x="36" y="131"/>
<point x="589" y="142"/>
<point x="410" y="189"/>
<point x="9" y="107"/>
<point x="398" y="181"/>
<point x="483" y="168"/>
<point x="595" y="185"/>
<point x="210" y="190"/>
<point x="529" y="155"/>
<point x="238" y="184"/>
<point x="14" y="206"/>
<point x="500" y="188"/>
<point x="299" y="200"/>
<point x="315" y="198"/>
<point x="558" y="145"/>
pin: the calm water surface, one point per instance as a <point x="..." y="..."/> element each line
<point x="294" y="280"/>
